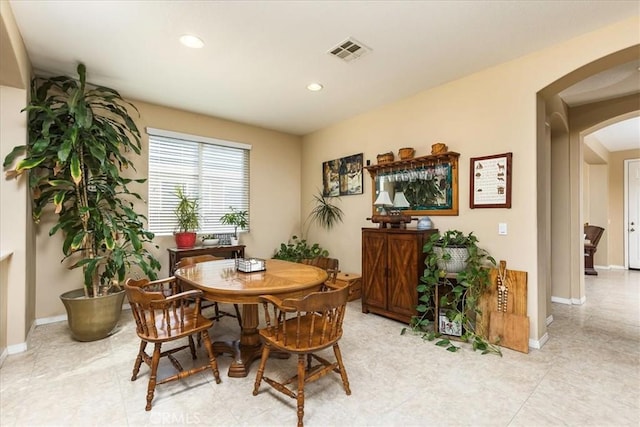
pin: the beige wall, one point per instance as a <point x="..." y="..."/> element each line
<point x="13" y="210"/>
<point x="598" y="213"/>
<point x="17" y="278"/>
<point x="490" y="112"/>
<point x="616" y="227"/>
<point x="274" y="175"/>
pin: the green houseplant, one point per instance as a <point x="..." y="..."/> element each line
<point x="297" y="249"/>
<point x="79" y="143"/>
<point x="186" y="213"/>
<point x="324" y="213"/>
<point x="466" y="284"/>
<point x="237" y="218"/>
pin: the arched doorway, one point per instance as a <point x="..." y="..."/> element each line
<point x="561" y="151"/>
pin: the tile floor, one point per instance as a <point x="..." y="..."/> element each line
<point x="588" y="374"/>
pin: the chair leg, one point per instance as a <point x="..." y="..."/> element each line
<point x="263" y="361"/>
<point x="154" y="374"/>
<point x="212" y="357"/>
<point x="343" y="372"/>
<point x="136" y="365"/>
<point x="300" y="396"/>
<point x="192" y="347"/>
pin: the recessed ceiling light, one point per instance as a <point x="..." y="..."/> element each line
<point x="191" y="41"/>
<point x="314" y="87"/>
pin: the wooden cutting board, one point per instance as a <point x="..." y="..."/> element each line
<point x="509" y="330"/>
<point x="510" y="326"/>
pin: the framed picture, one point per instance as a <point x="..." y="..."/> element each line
<point x="490" y="178"/>
<point x="342" y="177"/>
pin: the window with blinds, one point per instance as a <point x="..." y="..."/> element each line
<point x="214" y="171"/>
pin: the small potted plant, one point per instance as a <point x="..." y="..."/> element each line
<point x="237" y="218"/>
<point x="209" y="240"/>
<point x="188" y="222"/>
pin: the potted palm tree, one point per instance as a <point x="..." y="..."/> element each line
<point x="80" y="141"/>
<point x="188" y="221"/>
<point x="324" y="213"/>
<point x="237" y="218"/>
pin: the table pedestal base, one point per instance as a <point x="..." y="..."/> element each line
<point x="248" y="348"/>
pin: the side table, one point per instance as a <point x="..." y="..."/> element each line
<point x="355" y="284"/>
<point x="176" y="254"/>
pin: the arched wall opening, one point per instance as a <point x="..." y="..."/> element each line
<point x="561" y="153"/>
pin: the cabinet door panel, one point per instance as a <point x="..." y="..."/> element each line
<point x="374" y="277"/>
<point x="403" y="262"/>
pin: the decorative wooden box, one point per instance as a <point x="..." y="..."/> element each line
<point x="355" y="284"/>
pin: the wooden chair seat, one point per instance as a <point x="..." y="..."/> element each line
<point x="304" y="326"/>
<point x="289" y="340"/>
<point x="163" y="315"/>
<point x="175" y="328"/>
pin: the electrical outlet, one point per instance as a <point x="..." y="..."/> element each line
<point x="502" y="228"/>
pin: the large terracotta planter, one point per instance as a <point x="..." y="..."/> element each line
<point x="92" y="319"/>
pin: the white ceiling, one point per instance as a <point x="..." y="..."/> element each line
<point x="260" y="55"/>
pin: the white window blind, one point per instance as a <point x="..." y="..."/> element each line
<point x="214" y="171"/>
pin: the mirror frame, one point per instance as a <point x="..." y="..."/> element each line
<point x="450" y="158"/>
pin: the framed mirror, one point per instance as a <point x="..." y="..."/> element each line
<point x="420" y="186"/>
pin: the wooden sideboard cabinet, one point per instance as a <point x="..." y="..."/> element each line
<point x="176" y="254"/>
<point x="392" y="264"/>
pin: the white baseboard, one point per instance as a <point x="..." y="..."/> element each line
<point x="53" y="319"/>
<point x="609" y="267"/>
<point x="569" y="301"/>
<point x="63" y="317"/>
<point x="537" y="344"/>
<point x="559" y="300"/>
<point x="3" y="356"/>
<point x="549" y="319"/>
<point x="17" y="348"/>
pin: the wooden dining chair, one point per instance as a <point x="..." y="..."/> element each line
<point x="593" y="234"/>
<point x="218" y="314"/>
<point x="330" y="265"/>
<point x="304" y="326"/>
<point x="163" y="315"/>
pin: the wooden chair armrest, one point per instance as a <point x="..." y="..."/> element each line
<point x="275" y="301"/>
<point x="182" y="299"/>
<point x="335" y="286"/>
<point x="184" y="295"/>
<point x="159" y="282"/>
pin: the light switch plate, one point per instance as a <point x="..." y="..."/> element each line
<point x="502" y="228"/>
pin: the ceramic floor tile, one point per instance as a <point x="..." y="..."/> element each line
<point x="587" y="374"/>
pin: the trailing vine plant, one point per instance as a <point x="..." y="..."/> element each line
<point x="464" y="291"/>
<point x="297" y="249"/>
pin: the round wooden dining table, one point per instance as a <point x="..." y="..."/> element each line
<point x="220" y="281"/>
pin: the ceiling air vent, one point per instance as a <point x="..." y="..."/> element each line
<point x="349" y="50"/>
